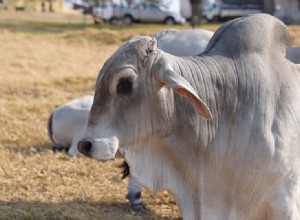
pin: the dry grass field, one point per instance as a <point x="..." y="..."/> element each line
<point x="45" y="61"/>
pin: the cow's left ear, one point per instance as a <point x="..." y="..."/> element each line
<point x="182" y="87"/>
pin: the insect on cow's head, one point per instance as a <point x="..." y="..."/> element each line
<point x="129" y="104"/>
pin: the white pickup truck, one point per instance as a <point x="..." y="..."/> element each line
<point x="108" y="12"/>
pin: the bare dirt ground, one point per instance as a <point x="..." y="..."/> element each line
<point x="45" y="61"/>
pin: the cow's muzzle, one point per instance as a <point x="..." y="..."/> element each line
<point x="85" y="147"/>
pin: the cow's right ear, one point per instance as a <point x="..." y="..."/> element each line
<point x="181" y="86"/>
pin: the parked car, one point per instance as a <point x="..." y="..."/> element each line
<point x="151" y="13"/>
<point x="142" y="12"/>
<point x="108" y="12"/>
<point x="214" y="10"/>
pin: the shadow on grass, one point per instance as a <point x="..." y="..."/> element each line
<point x="43" y="148"/>
<point x="73" y="210"/>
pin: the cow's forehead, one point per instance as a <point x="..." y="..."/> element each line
<point x="140" y="41"/>
<point x="130" y="54"/>
<point x="137" y="45"/>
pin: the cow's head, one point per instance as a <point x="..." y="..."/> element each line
<point x="134" y="100"/>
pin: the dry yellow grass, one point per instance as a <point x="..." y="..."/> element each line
<point x="44" y="63"/>
<point x="41" y="68"/>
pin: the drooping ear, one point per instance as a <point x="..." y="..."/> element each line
<point x="182" y="87"/>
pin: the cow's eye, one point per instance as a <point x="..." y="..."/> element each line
<point x="124" y="87"/>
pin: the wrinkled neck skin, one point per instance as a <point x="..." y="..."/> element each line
<point x="199" y="161"/>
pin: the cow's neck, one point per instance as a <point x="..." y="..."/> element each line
<point x="198" y="194"/>
<point x="217" y="181"/>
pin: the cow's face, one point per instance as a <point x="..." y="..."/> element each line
<point x="131" y="104"/>
<point x="120" y="112"/>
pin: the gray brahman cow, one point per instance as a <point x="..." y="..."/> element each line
<point x="66" y="125"/>
<point x="219" y="131"/>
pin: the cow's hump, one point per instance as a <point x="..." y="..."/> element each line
<point x="253" y="33"/>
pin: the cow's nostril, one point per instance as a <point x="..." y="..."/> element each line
<point x="84" y="147"/>
<point x="87" y="146"/>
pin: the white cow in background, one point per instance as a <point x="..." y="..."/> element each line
<point x="190" y="42"/>
<point x="293" y="54"/>
<point x="67" y="123"/>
